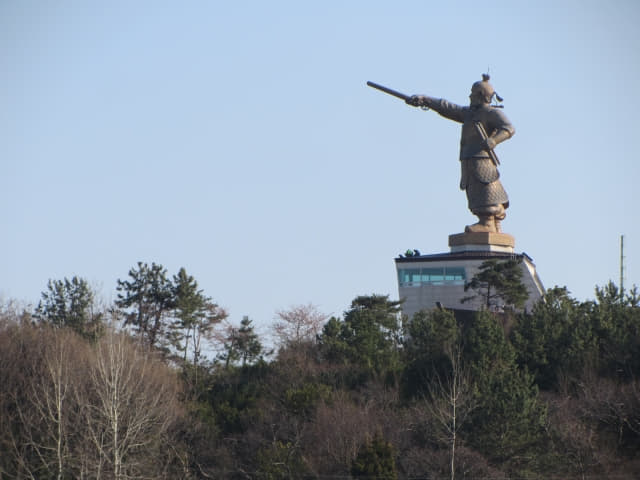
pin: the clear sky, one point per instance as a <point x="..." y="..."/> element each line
<point x="239" y="140"/>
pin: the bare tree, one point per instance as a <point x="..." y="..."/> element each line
<point x="341" y="424"/>
<point x="13" y="312"/>
<point x="70" y="409"/>
<point x="577" y="439"/>
<point x="611" y="408"/>
<point x="300" y="323"/>
<point x="52" y="397"/>
<point x="450" y="401"/>
<point x="39" y="421"/>
<point x="128" y="405"/>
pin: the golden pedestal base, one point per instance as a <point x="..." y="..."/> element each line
<point x="489" y="241"/>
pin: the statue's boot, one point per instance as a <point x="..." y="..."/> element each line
<point x="498" y="217"/>
<point x="487" y="223"/>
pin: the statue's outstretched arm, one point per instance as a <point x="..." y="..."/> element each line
<point x="443" y="107"/>
<point x="422" y="101"/>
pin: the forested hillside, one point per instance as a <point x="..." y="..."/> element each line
<point x="162" y="384"/>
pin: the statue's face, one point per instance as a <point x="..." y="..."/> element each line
<point x="476" y="97"/>
<point x="481" y="93"/>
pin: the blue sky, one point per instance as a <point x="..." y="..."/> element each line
<point x="239" y="140"/>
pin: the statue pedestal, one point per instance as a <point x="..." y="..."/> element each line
<point x="482" y="242"/>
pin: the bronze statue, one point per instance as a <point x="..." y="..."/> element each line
<point x="483" y="127"/>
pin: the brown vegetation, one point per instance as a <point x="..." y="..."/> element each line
<point x="557" y="396"/>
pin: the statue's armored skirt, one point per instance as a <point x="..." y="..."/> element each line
<point x="480" y="178"/>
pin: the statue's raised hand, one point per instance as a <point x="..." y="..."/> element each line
<point x="415" y="100"/>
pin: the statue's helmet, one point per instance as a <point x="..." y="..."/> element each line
<point x="483" y="89"/>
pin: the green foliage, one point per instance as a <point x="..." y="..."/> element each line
<point x="248" y="343"/>
<point x="242" y="345"/>
<point x="302" y="400"/>
<point x="616" y="318"/>
<point x="428" y="341"/>
<point x="190" y="309"/>
<point x="509" y="420"/>
<point x="306" y="413"/>
<point x="333" y="346"/>
<point x="375" y="459"/>
<point x="70" y="303"/>
<point x="368" y="338"/>
<point x="499" y="283"/>
<point x="485" y="345"/>
<point x="556" y="340"/>
<point x="563" y="338"/>
<point x="146" y="299"/>
<point x="234" y="396"/>
<point x="280" y="460"/>
<point x="195" y="313"/>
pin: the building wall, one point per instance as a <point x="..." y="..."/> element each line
<point x="426" y="295"/>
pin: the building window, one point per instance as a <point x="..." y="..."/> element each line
<point x="433" y="276"/>
<point x="416" y="277"/>
<point x="409" y="277"/>
<point x="455" y="275"/>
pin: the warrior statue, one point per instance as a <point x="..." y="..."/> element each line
<point x="483" y="127"/>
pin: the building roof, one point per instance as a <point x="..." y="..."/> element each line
<point x="468" y="255"/>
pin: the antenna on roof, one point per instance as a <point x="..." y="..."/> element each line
<point x="621" y="265"/>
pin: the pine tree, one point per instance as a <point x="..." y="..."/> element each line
<point x="146" y="299"/>
<point x="375" y="459"/>
<point x="70" y="303"/>
<point x="616" y="321"/>
<point x="369" y="336"/>
<point x="428" y="339"/>
<point x="556" y="339"/>
<point x="499" y="283"/>
<point x="195" y="316"/>
<point x="242" y="344"/>
<point x="509" y="420"/>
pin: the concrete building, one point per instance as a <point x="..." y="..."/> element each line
<point x="427" y="281"/>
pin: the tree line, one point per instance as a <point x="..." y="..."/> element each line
<point x="162" y="385"/>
